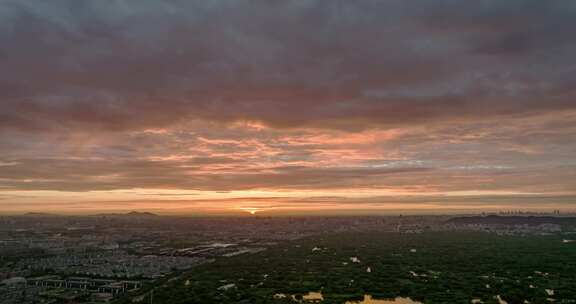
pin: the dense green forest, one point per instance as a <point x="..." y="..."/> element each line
<point x="429" y="268"/>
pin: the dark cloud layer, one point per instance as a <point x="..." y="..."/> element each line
<point x="118" y="65"/>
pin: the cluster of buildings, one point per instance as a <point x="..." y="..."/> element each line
<point x="115" y="264"/>
<point x="519" y="229"/>
<point x="85" y="278"/>
<point x="56" y="289"/>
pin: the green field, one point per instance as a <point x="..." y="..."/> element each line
<point x="430" y="268"/>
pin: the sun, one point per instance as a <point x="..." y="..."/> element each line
<point x="251" y="210"/>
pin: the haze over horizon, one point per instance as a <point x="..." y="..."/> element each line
<point x="287" y="107"/>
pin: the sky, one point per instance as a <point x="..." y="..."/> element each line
<point x="287" y="107"/>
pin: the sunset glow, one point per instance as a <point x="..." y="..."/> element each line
<point x="285" y="108"/>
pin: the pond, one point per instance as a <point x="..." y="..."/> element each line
<point x="369" y="300"/>
<point x="311" y="296"/>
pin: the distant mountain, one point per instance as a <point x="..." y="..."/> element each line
<point x="136" y="213"/>
<point x="129" y="215"/>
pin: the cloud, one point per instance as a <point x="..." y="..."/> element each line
<point x="405" y="97"/>
<point x="128" y="65"/>
<point x="530" y="153"/>
<point x="106" y="174"/>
